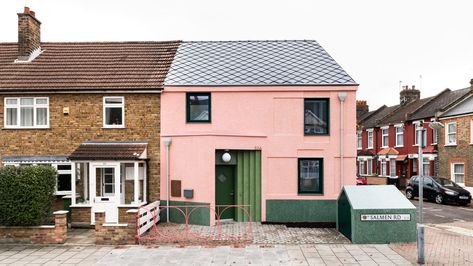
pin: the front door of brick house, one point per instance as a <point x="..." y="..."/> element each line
<point x="105" y="190"/>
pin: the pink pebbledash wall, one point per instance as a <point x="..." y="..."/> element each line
<point x="247" y="118"/>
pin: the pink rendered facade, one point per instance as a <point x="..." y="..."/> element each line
<point x="266" y="118"/>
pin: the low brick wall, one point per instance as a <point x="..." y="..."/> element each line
<point x="45" y="234"/>
<point x="80" y="217"/>
<point x="376" y="180"/>
<point x="116" y="234"/>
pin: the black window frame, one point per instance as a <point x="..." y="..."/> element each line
<point x="327" y="100"/>
<point x="188" y="114"/>
<point x="321" y="174"/>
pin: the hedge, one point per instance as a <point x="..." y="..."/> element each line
<point x="26" y="194"/>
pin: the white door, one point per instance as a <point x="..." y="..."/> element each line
<point x="105" y="190"/>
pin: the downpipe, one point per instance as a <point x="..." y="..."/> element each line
<point x="167" y="143"/>
<point x="341" y="97"/>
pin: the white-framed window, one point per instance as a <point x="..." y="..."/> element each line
<point x="26" y="112"/>
<point x="383" y="167"/>
<point x="399" y="136"/>
<point x="435" y="136"/>
<point x="414" y="165"/>
<point x="370" y="139"/>
<point x="359" y="140"/>
<point x="114" y="111"/>
<point x="458" y="173"/>
<point x="384" y="137"/>
<point x="451" y="134"/>
<point x="416" y="136"/>
<point x="426" y="166"/>
<point x="392" y="167"/>
<point x="361" y="168"/>
<point x="369" y="166"/>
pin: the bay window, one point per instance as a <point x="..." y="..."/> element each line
<point x="26" y="112"/>
<point x="369" y="167"/>
<point x="383" y="167"/>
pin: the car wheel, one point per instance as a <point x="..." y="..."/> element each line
<point x="439" y="199"/>
<point x="409" y="194"/>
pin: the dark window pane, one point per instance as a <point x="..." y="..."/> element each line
<point x="316" y="117"/>
<point x="64" y="182"/>
<point x="113" y="116"/>
<point x="198" y="107"/>
<point x="310" y="176"/>
<point x="63" y="167"/>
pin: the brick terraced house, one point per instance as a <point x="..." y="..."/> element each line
<point x="387" y="139"/>
<point x="89" y="109"/>
<point x="456" y="142"/>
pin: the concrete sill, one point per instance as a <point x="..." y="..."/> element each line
<point x="450" y="145"/>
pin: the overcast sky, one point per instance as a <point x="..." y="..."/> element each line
<point x="379" y="43"/>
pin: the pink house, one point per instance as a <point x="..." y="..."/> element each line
<point x="269" y="125"/>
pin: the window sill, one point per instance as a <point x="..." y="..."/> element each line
<point x="399" y="146"/>
<point x="312" y="135"/>
<point x="310" y="194"/>
<point x="25" y="128"/>
<point x="450" y="145"/>
<point x="384" y="147"/>
<point x="114" y="127"/>
<point x="370" y="148"/>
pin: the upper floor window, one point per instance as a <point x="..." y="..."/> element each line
<point x="359" y="140"/>
<point x="435" y="136"/>
<point x="370" y="139"/>
<point x="311" y="175"/>
<point x="399" y="136"/>
<point x="198" y="107"/>
<point x="451" y="134"/>
<point x="26" y="112"/>
<point x="114" y="112"/>
<point x="316" y="117"/>
<point x="416" y="136"/>
<point x="385" y="137"/>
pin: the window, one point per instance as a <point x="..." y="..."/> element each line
<point x="451" y="134"/>
<point x="383" y="167"/>
<point x="416" y="136"/>
<point x="425" y="166"/>
<point x="359" y="140"/>
<point x="370" y="139"/>
<point x="64" y="173"/>
<point x="26" y="112"/>
<point x="114" y="112"/>
<point x="414" y="165"/>
<point x="361" y="168"/>
<point x="310" y="176"/>
<point x="458" y="173"/>
<point x="369" y="167"/>
<point x="198" y="107"/>
<point x="316" y="116"/>
<point x="399" y="136"/>
<point x="392" y="167"/>
<point x="435" y="136"/>
<point x="385" y="137"/>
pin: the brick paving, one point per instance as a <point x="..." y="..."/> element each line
<point x="342" y="254"/>
<point x="445" y="244"/>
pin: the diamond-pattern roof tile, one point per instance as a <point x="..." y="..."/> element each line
<point x="232" y="63"/>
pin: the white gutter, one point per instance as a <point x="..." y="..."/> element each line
<point x="341" y="97"/>
<point x="167" y="143"/>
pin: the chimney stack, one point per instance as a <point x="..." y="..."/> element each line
<point x="29" y="37"/>
<point x="471" y="84"/>
<point x="361" y="108"/>
<point x="408" y="95"/>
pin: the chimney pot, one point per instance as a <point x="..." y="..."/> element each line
<point x="26" y="10"/>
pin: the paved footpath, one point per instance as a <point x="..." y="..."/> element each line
<point x="336" y="254"/>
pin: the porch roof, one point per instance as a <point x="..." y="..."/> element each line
<point x="34" y="159"/>
<point x="110" y="151"/>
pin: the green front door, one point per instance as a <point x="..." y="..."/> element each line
<point x="225" y="189"/>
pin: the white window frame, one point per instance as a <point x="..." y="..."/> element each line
<point x="359" y="140"/>
<point x="370" y="135"/>
<point x="452" y="175"/>
<point x="447" y="133"/>
<point x="383" y="169"/>
<point x="111" y="105"/>
<point x="383" y="129"/>
<point x="425" y="163"/>
<point x="361" y="168"/>
<point x="416" y="135"/>
<point x="399" y="133"/>
<point x="18" y="106"/>
<point x="435" y="136"/>
<point x="369" y="167"/>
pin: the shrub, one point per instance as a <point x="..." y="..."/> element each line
<point x="26" y="194"/>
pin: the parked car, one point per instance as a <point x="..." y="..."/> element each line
<point x="360" y="180"/>
<point x="440" y="190"/>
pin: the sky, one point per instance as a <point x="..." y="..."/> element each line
<point x="381" y="44"/>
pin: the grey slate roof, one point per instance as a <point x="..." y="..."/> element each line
<point x="373" y="121"/>
<point x="465" y="107"/>
<point x="441" y="101"/>
<point x="233" y="63"/>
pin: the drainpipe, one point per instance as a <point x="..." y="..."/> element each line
<point x="341" y="97"/>
<point x="167" y="143"/>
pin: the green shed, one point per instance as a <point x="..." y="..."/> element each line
<point x="376" y="215"/>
